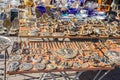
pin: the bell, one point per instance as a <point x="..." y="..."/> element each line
<point x="28" y="2"/>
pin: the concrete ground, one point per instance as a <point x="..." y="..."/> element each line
<point x="112" y="75"/>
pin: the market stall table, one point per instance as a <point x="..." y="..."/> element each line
<point x="55" y="46"/>
<point x="23" y="32"/>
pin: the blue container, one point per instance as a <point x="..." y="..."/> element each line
<point x="42" y="9"/>
<point x="72" y="11"/>
<point x="72" y="1"/>
<point x="90" y="11"/>
<point x="81" y="2"/>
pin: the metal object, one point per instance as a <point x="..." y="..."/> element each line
<point x="67" y="53"/>
<point x="44" y="75"/>
<point x="104" y="75"/>
<point x="101" y="77"/>
<point x="39" y="66"/>
<point x="4" y="43"/>
<point x="97" y="75"/>
<point x="78" y="75"/>
<point x="25" y="66"/>
<point x="13" y="66"/>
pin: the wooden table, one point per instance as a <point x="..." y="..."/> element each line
<point x="27" y="29"/>
<point x="59" y="70"/>
<point x="54" y="47"/>
<point x="46" y="71"/>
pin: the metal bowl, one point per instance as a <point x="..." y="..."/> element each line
<point x="4" y="43"/>
<point x="67" y="53"/>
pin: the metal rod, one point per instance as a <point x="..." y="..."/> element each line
<point x="104" y="75"/>
<point x="66" y="75"/>
<point x="53" y="77"/>
<point x="78" y="75"/>
<point x="63" y="75"/>
<point x="43" y="76"/>
<point x="5" y="64"/>
<point x="97" y="75"/>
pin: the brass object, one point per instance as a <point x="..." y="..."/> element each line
<point x="28" y="2"/>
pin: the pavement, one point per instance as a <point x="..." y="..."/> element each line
<point x="112" y="75"/>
